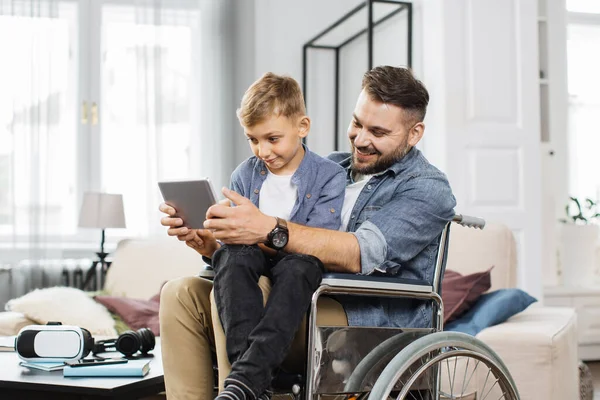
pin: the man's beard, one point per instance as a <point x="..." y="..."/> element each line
<point x="382" y="163"/>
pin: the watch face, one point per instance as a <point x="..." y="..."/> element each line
<point x="280" y="239"/>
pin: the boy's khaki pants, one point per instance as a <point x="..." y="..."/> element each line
<point x="191" y="331"/>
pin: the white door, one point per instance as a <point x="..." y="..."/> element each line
<point x="483" y="69"/>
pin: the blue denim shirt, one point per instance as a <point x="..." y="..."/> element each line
<point x="321" y="186"/>
<point x="398" y="219"/>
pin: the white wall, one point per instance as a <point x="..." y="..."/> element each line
<point x="389" y="48"/>
<point x="244" y="50"/>
<point x="282" y="28"/>
<point x="216" y="66"/>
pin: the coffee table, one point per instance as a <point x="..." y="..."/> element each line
<point x="18" y="382"/>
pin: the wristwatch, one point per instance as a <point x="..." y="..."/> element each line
<point x="278" y="238"/>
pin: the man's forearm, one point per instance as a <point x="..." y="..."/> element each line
<point x="339" y="251"/>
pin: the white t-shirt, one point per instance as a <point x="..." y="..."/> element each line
<point x="277" y="196"/>
<point x="352" y="192"/>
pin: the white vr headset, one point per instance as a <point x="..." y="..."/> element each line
<point x="53" y="343"/>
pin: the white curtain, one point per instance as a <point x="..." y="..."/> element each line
<point x="105" y="96"/>
<point x="33" y="132"/>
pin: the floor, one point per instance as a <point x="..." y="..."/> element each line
<point x="595" y="368"/>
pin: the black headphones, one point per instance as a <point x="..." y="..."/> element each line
<point x="128" y="343"/>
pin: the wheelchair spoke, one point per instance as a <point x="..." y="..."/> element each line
<point x="472" y="373"/>
<point x="449" y="380"/>
<point x="486" y="379"/>
<point x="454" y="375"/>
<point x="490" y="390"/>
<point x="462" y="389"/>
<point x="420" y="395"/>
<point x="402" y="384"/>
<point x="435" y="381"/>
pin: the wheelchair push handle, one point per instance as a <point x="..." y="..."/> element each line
<point x="469" y="221"/>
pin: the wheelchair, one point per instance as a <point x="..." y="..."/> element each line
<point x="353" y="363"/>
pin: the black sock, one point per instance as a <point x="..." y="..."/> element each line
<point x="236" y="390"/>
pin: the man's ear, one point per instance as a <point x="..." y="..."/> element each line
<point x="416" y="133"/>
<point x="303" y="126"/>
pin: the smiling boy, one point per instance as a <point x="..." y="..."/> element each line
<point x="290" y="183"/>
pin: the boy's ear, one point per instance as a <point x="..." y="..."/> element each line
<point x="304" y="126"/>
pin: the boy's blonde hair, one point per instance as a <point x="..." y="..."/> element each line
<point x="271" y="95"/>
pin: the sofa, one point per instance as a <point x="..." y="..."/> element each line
<point x="538" y="345"/>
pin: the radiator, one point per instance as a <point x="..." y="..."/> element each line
<point x="5" y="290"/>
<point x="28" y="275"/>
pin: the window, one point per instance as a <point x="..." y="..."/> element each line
<point x="97" y="96"/>
<point x="584" y="6"/>
<point x="583" y="42"/>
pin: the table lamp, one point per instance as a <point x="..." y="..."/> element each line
<point x="102" y="211"/>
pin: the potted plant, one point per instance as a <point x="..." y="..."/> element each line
<point x="578" y="242"/>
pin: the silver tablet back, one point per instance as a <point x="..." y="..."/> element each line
<point x="191" y="200"/>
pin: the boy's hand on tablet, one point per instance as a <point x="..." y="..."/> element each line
<point x="174" y="223"/>
<point x="203" y="241"/>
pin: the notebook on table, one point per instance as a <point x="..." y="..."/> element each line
<point x="135" y="368"/>
<point x="48" y="366"/>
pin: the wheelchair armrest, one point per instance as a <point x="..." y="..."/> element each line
<point x="376" y="282"/>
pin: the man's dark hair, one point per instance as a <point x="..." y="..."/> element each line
<point x="397" y="86"/>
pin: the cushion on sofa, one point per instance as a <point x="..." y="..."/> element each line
<point x="155" y="259"/>
<point x="491" y="309"/>
<point x="12" y="322"/>
<point x="67" y="305"/>
<point x="472" y="250"/>
<point x="136" y="313"/>
<point x="460" y="292"/>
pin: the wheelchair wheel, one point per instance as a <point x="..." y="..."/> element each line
<point x="445" y="366"/>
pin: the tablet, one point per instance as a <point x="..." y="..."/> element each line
<point x="190" y="199"/>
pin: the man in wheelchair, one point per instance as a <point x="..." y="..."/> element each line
<point x="396" y="207"/>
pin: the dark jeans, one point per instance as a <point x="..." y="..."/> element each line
<point x="259" y="337"/>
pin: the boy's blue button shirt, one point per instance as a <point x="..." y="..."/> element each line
<point x="321" y="187"/>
